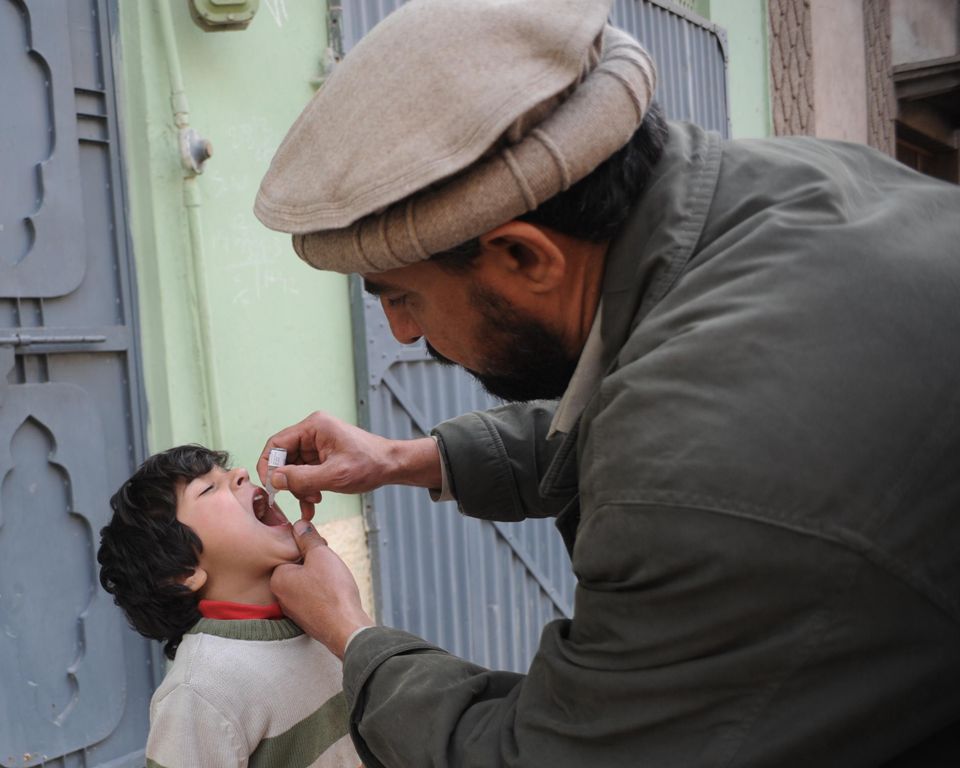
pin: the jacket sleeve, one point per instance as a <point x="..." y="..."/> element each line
<point x="497" y="459"/>
<point x="187" y="730"/>
<point x="711" y="640"/>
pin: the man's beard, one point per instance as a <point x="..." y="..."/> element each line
<point x="524" y="360"/>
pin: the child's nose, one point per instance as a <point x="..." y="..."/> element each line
<point x="240" y="476"/>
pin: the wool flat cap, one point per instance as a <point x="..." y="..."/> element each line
<point x="449" y="118"/>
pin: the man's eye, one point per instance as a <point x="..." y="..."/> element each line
<point x="397" y="301"/>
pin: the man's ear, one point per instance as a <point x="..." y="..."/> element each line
<point x="527" y="251"/>
<point x="195" y="581"/>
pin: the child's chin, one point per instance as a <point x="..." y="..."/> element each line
<point x="290" y="551"/>
<point x="286" y="558"/>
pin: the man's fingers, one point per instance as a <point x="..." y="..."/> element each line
<point x="307" y="537"/>
<point x="305" y="481"/>
<point x="281" y="572"/>
<point x="280" y="576"/>
<point x="280" y="482"/>
<point x="291" y="440"/>
<point x="274" y="442"/>
<point x="307" y="510"/>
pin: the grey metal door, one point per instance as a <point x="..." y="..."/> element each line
<point x="484" y="590"/>
<point x="74" y="680"/>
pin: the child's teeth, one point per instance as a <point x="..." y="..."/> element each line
<point x="259" y="507"/>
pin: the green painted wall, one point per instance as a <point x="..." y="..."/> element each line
<point x="745" y="22"/>
<point x="280" y="337"/>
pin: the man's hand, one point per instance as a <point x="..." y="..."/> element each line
<point x="321" y="595"/>
<point x="326" y="454"/>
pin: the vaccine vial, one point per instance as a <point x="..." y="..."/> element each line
<point x="277" y="458"/>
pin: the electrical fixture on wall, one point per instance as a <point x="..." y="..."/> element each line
<point x="223" y="15"/>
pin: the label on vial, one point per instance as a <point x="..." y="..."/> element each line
<point x="278" y="457"/>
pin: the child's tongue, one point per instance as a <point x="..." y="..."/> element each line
<point x="271" y="516"/>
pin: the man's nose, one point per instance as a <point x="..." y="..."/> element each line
<point x="404" y="328"/>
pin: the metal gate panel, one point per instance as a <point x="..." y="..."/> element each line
<point x="76" y="680"/>
<point x="38" y="147"/>
<point x="58" y="646"/>
<point x="484" y="590"/>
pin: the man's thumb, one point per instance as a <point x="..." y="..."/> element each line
<point x="307" y="537"/>
<point x="304" y="481"/>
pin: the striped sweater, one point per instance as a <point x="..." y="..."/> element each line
<point x="254" y="692"/>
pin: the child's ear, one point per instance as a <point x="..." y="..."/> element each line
<point x="195" y="581"/>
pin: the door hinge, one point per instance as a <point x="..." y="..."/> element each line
<point x="334" y="52"/>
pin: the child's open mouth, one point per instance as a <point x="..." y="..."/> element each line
<point x="266" y="514"/>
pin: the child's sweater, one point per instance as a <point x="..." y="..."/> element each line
<point x="255" y="692"/>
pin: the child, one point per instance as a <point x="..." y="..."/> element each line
<point x="188" y="555"/>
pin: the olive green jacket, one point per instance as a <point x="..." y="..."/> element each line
<point x="762" y="499"/>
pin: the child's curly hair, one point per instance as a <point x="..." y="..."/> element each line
<point x="144" y="549"/>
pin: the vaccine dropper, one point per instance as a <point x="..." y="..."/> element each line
<point x="277" y="458"/>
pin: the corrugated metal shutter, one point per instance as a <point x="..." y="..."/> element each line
<point x="690" y="51"/>
<point x="691" y="56"/>
<point x="480" y="590"/>
<point x="484" y="590"/>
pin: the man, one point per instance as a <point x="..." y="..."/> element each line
<point x="754" y="462"/>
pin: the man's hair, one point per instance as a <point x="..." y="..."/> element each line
<point x="145" y="550"/>
<point x="595" y="207"/>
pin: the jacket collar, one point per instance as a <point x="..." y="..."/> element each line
<point x="656" y="243"/>
<point x="643" y="262"/>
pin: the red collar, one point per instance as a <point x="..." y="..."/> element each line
<point x="222" y="609"/>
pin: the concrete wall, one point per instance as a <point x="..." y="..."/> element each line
<point x="279" y="343"/>
<point x="745" y="22"/>
<point x="818" y="59"/>
<point x="839" y="70"/>
<point x="928" y="29"/>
